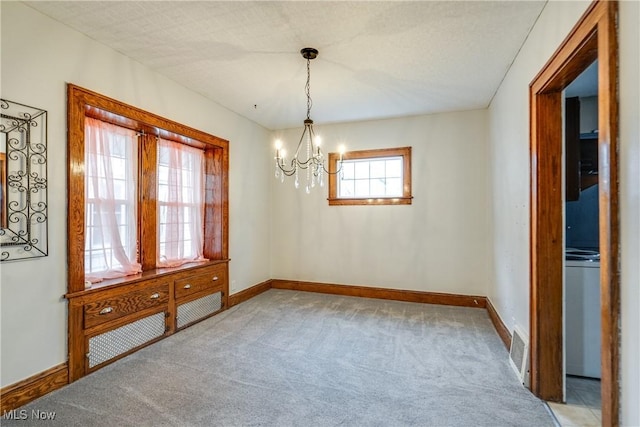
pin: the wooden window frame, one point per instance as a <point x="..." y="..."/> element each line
<point x="404" y="152"/>
<point x="84" y="103"/>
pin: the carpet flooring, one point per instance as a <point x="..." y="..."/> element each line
<point x="288" y="358"/>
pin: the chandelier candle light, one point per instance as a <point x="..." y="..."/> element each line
<point x="308" y="155"/>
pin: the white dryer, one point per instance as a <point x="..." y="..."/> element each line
<point x="582" y="317"/>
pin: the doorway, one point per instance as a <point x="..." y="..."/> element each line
<point x="593" y="38"/>
<point x="582" y="254"/>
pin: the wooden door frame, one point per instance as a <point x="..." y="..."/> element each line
<point x="593" y="37"/>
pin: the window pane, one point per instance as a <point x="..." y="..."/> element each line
<point x="378" y="188"/>
<point x="163" y="192"/>
<point x="362" y="170"/>
<point x="346" y="188"/>
<point x="119" y="189"/>
<point x="361" y="188"/>
<point x="118" y="167"/>
<point x="394" y="168"/>
<point x="347" y="170"/>
<point x="372" y="178"/>
<point x="378" y="169"/>
<point x="394" y="187"/>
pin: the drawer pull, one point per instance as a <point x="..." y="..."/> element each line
<point x="187" y="286"/>
<point x="215" y="278"/>
<point x="106" y="310"/>
<point x="155" y="296"/>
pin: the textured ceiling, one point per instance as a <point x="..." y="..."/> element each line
<point x="377" y="59"/>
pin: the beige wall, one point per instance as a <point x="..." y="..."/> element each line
<point x="39" y="56"/>
<point x="629" y="33"/>
<point x="440" y="243"/>
<point x="509" y="148"/>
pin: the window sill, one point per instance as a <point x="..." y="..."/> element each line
<point x="370" y="201"/>
<point x="140" y="277"/>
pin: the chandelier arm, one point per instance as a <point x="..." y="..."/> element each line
<point x="285" y="171"/>
<point x="295" y="159"/>
<point x="294" y="162"/>
<point x="303" y="165"/>
<point x="295" y="156"/>
<point x="290" y="172"/>
<point x="333" y="173"/>
<point x="312" y="135"/>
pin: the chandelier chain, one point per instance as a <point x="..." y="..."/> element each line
<point x="308" y="89"/>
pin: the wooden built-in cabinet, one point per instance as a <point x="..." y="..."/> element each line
<point x="203" y="290"/>
<point x="119" y="316"/>
<point x="116" y="317"/>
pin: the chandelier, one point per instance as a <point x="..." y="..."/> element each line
<point x="308" y="159"/>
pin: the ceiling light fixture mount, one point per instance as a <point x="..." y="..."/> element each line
<point x="308" y="155"/>
<point x="309" y="53"/>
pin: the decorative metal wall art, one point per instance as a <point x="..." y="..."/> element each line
<point x="23" y="179"/>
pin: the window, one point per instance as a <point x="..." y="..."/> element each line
<point x="111" y="162"/>
<point x="124" y="216"/>
<point x="371" y="177"/>
<point x="180" y="203"/>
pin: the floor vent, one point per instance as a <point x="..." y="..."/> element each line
<point x="519" y="355"/>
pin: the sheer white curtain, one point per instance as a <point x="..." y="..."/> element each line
<point x="110" y="197"/>
<point x="180" y="204"/>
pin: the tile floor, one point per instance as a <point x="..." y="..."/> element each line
<point x="583" y="403"/>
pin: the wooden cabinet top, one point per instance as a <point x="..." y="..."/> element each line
<point x="127" y="282"/>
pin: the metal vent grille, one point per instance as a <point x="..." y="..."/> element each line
<point x="118" y="341"/>
<point x="518" y="355"/>
<point x="199" y="308"/>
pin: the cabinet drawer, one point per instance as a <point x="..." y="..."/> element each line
<point x="105" y="310"/>
<point x="215" y="277"/>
